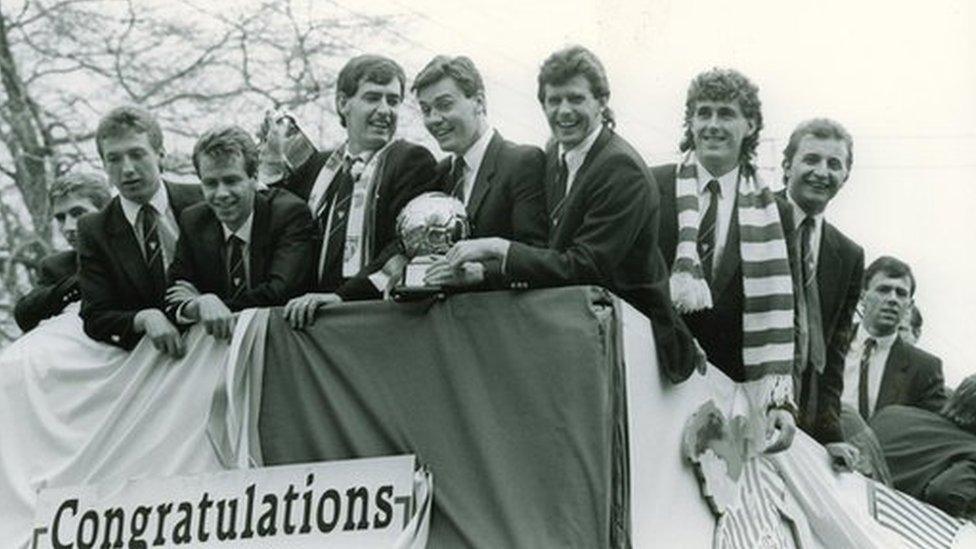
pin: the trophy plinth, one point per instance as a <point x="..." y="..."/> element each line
<point x="427" y="227"/>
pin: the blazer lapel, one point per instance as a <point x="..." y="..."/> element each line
<point x="126" y="249"/>
<point x="485" y="173"/>
<point x="893" y="380"/>
<point x="552" y="172"/>
<point x="830" y="274"/>
<point x="260" y="238"/>
<point x="211" y="236"/>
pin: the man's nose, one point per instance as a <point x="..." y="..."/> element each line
<point x="70" y="223"/>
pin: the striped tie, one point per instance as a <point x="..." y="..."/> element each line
<point x="457" y="178"/>
<point x="863" y="406"/>
<point x="152" y="250"/>
<point x="559" y="189"/>
<point x="817" y="353"/>
<point x="236" y="273"/>
<point x="706" y="230"/>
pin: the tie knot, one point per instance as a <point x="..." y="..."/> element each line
<point x="870" y="342"/>
<point x="714" y="188"/>
<point x="235" y="240"/>
<point x="808" y="223"/>
<point x="148" y="210"/>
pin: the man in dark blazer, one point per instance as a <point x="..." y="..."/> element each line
<point x="71" y="196"/>
<point x="124" y="249"/>
<point x="500" y="182"/>
<point x="816" y="164"/>
<point x="241" y="248"/>
<point x="603" y="208"/>
<point x="358" y="237"/>
<point x="880" y="368"/>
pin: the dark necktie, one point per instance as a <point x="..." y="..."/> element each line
<point x="236" y="273"/>
<point x="862" y="381"/>
<point x="457" y="178"/>
<point x="817" y="354"/>
<point x="331" y="276"/>
<point x="559" y="189"/>
<point x="706" y="230"/>
<point x="152" y="249"/>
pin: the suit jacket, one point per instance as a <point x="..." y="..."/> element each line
<point x="508" y="198"/>
<point x="912" y="377"/>
<point x="112" y="274"/>
<point x="719" y="329"/>
<point x="840" y="269"/>
<point x="56" y="286"/>
<point x="407" y="171"/>
<point x="606" y="234"/>
<point x="281" y="243"/>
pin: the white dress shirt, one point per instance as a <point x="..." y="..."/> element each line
<point x="876" y="367"/>
<point x="728" y="188"/>
<point x="472" y="162"/>
<point x="574" y="157"/>
<point x="166" y="226"/>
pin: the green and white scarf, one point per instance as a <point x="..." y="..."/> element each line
<point x="767" y="317"/>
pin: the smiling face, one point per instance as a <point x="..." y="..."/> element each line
<point x="572" y="110"/>
<point x="132" y="165"/>
<point x="816" y="172"/>
<point x="718" y="129"/>
<point x="886" y="299"/>
<point x="66" y="210"/>
<point x="371" y="114"/>
<point x="454" y="120"/>
<point x="227" y="189"/>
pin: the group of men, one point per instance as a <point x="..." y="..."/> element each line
<point x="757" y="283"/>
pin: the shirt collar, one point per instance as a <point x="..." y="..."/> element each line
<point x="575" y="156"/>
<point x="799" y="214"/>
<point x="883" y="342"/>
<point x="159" y="201"/>
<point x="726" y="183"/>
<point x="476" y="152"/>
<point x="243" y="232"/>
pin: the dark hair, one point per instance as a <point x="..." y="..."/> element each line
<point x="227" y="141"/>
<point x="563" y="65"/>
<point x="460" y="69"/>
<point x="725" y="85"/>
<point x="821" y="128"/>
<point x="92" y="186"/>
<point x="371" y="68"/>
<point x="960" y="407"/>
<point x="129" y="118"/>
<point x="892" y="267"/>
<point x="916" y="320"/>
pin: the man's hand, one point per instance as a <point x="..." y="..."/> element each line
<point x="217" y="319"/>
<point x="300" y="311"/>
<point x="441" y="273"/>
<point x="477" y="249"/>
<point x="843" y="456"/>
<point x="780" y="430"/>
<point x="160" y="331"/>
<point x="181" y="291"/>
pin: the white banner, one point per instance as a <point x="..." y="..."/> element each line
<point x="339" y="504"/>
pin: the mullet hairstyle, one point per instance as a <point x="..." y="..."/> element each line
<point x="129" y="118"/>
<point x="892" y="267"/>
<point x="369" y="68"/>
<point x="820" y="128"/>
<point x="225" y="142"/>
<point x="732" y="86"/>
<point x="562" y="66"/>
<point x="460" y="69"/>
<point x="88" y="185"/>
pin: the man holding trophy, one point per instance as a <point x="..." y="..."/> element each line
<point x="356" y="191"/>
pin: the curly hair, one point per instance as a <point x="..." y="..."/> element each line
<point x="371" y="68"/>
<point x="568" y="62"/>
<point x="227" y="141"/>
<point x="725" y="85"/>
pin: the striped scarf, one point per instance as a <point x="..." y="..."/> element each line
<point x="767" y="316"/>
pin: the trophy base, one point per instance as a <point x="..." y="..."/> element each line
<point x="413" y="287"/>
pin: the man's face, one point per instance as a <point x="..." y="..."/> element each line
<point x="227" y="188"/>
<point x="572" y="110"/>
<point x="132" y="165"/>
<point x="449" y="116"/>
<point x="66" y="210"/>
<point x="816" y="172"/>
<point x="371" y="114"/>
<point x="885" y="301"/>
<point x="718" y="129"/>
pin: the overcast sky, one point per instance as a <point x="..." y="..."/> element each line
<point x="901" y="76"/>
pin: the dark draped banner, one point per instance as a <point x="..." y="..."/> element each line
<point x="515" y="401"/>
